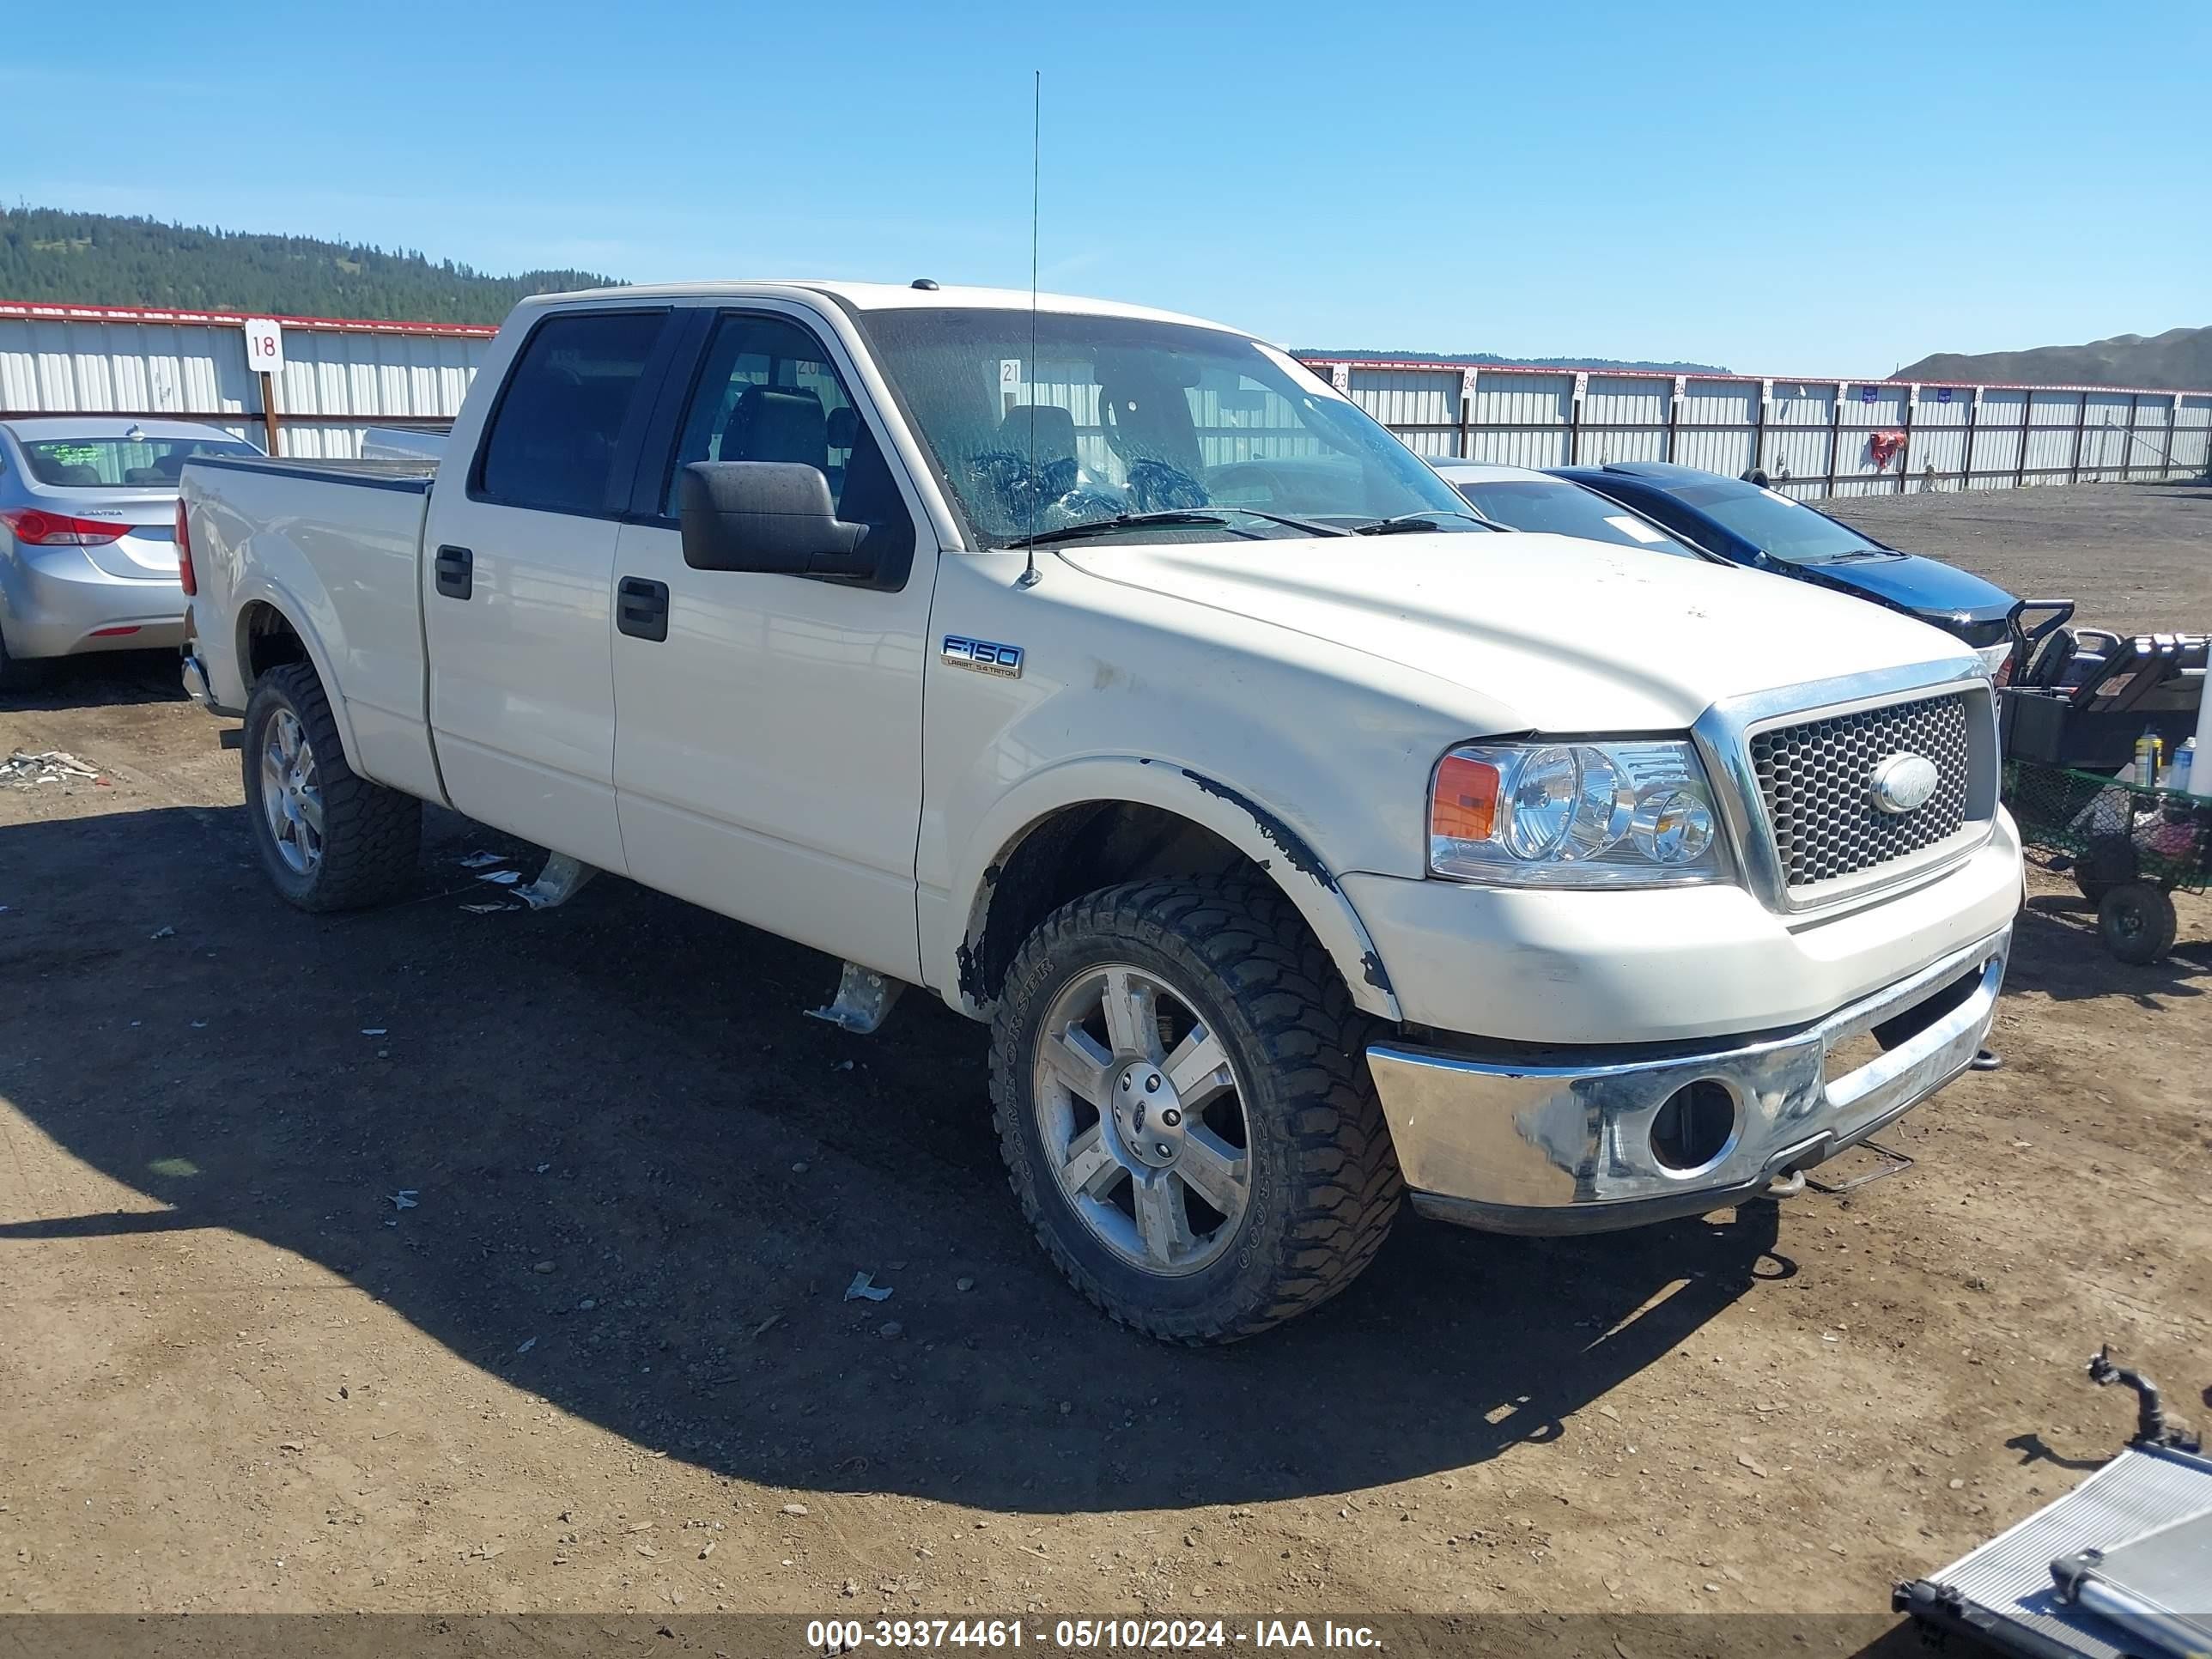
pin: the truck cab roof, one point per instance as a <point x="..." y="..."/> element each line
<point x="879" y="296"/>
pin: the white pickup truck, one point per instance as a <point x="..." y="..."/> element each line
<point x="1307" y="846"/>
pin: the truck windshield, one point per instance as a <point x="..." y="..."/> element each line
<point x="1782" y="528"/>
<point x="1106" y="418"/>
<point x="120" y="462"/>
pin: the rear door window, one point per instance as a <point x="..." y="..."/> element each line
<point x="551" y="445"/>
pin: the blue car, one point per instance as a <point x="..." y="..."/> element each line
<point x="1747" y="524"/>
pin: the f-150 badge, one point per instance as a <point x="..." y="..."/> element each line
<point x="984" y="656"/>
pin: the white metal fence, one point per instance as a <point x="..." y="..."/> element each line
<point x="1824" y="437"/>
<point x="339" y="375"/>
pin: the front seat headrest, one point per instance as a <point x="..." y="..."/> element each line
<point x="1056" y="432"/>
<point x="777" y="424"/>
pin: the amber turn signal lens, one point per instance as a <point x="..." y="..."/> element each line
<point x="1465" y="803"/>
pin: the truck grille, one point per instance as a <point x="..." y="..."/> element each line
<point x="1817" y="780"/>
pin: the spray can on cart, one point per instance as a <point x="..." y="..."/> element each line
<point x="2179" y="776"/>
<point x="2146" y="752"/>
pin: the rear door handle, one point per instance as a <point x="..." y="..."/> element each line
<point x="456" y="567"/>
<point x="641" y="608"/>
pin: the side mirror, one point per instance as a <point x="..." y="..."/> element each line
<point x="773" y="516"/>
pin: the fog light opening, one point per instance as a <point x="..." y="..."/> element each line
<point x="1693" y="1125"/>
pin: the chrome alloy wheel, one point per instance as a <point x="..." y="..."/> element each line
<point x="1141" y="1119"/>
<point x="291" y="797"/>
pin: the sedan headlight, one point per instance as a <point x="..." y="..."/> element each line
<point x="1543" y="814"/>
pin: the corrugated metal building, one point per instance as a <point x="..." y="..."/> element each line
<point x="1814" y="437"/>
<point x="339" y="375"/>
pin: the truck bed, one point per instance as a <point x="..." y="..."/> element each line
<point x="415" y="474"/>
<point x="334" y="548"/>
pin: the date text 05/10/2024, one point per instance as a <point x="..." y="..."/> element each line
<point x="841" y="1636"/>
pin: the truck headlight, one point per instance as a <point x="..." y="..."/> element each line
<point x="1559" y="814"/>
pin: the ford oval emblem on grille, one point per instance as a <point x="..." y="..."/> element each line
<point x="1903" y="783"/>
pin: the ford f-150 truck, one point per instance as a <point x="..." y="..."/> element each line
<point x="1307" y="846"/>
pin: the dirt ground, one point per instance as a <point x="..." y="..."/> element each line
<point x="430" y="1260"/>
<point x="2134" y="557"/>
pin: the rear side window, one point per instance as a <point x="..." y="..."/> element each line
<point x="551" y="445"/>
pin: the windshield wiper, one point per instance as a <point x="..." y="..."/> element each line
<point x="1173" y="517"/>
<point x="1404" y="523"/>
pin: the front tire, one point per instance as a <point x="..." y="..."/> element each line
<point x="1183" y="1098"/>
<point x="329" y="838"/>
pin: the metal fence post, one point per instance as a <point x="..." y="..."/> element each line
<point x="1467" y="377"/>
<point x="2172" y="431"/>
<point x="269" y="409"/>
<point x="1904" y="449"/>
<point x="1675" y="413"/>
<point x="2027" y="428"/>
<point x="1759" y="428"/>
<point x="1575" y="420"/>
<point x="1836" y="433"/>
<point x="2080" y="420"/>
<point x="2128" y="445"/>
<point x="1966" y="460"/>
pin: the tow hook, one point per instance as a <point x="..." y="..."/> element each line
<point x="1788" y="1184"/>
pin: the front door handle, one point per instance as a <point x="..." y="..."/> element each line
<point x="456" y="568"/>
<point x="641" y="608"/>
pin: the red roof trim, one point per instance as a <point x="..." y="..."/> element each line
<point x="1746" y="379"/>
<point x="63" y="311"/>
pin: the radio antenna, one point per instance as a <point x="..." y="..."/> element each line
<point x="1029" y="577"/>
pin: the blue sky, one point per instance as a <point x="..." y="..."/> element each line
<point x="1829" y="189"/>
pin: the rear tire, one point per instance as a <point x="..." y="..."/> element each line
<point x="2137" y="922"/>
<point x="1314" y="1184"/>
<point x="329" y="838"/>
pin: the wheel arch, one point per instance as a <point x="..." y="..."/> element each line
<point x="268" y="633"/>
<point x="1087" y="824"/>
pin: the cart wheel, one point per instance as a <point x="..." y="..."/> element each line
<point x="2107" y="862"/>
<point x="2137" y="922"/>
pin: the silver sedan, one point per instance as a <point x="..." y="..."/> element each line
<point x="88" y="533"/>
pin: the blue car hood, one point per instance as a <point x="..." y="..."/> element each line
<point x="1929" y="588"/>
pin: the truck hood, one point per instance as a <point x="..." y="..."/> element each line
<point x="1551" y="633"/>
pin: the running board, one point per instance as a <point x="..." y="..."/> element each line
<point x="864" y="998"/>
<point x="561" y="880"/>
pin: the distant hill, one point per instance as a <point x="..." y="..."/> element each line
<point x="2179" y="358"/>
<point x="96" y="258"/>
<point x="1478" y="359"/>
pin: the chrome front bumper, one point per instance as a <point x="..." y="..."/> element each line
<point x="1551" y="1145"/>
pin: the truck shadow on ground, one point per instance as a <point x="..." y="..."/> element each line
<point x="642" y="1181"/>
